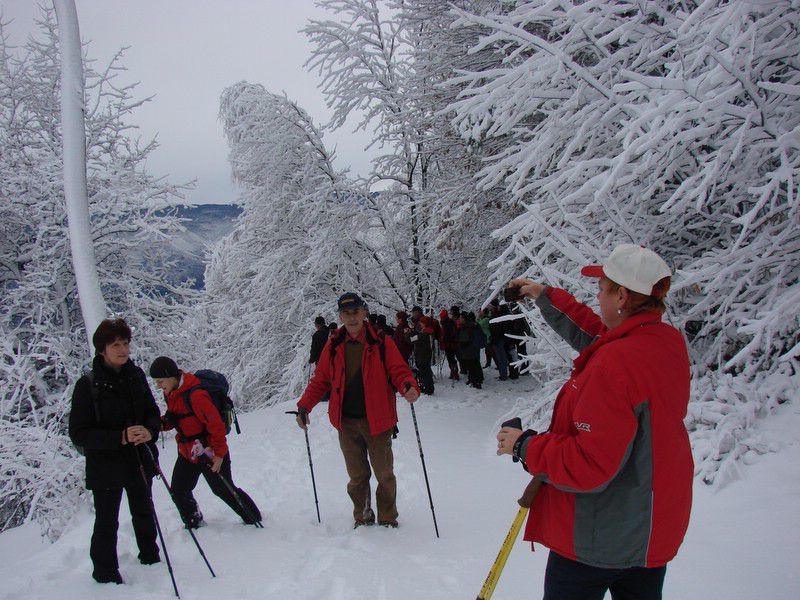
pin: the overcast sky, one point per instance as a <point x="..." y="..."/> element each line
<point x="185" y="52"/>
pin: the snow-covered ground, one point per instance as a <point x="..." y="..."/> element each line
<point x="743" y="541"/>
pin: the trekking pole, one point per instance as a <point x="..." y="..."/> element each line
<point x="169" y="490"/>
<point x="310" y="464"/>
<point x="155" y="520"/>
<point x="238" y="499"/>
<point x="497" y="568"/>
<point x="424" y="470"/>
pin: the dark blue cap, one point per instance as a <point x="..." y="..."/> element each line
<point x="350" y="301"/>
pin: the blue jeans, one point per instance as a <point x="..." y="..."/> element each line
<point x="567" y="579"/>
<point x="501" y="358"/>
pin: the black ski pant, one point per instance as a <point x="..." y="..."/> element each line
<point x="452" y="363"/>
<point x="103" y="548"/>
<point x="567" y="579"/>
<point x="184" y="479"/>
<point x="474" y="370"/>
<point x="425" y="376"/>
<point x="488" y="356"/>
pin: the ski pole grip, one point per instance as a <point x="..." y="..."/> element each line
<point x="515" y="423"/>
<point x="530" y="493"/>
<point x="301" y="412"/>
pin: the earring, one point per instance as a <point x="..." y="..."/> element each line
<point x="619" y="311"/>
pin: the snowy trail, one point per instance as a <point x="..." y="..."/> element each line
<point x="742" y="543"/>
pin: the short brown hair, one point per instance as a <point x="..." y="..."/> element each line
<point x="638" y="303"/>
<point x="108" y="331"/>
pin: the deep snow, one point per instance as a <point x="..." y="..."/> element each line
<point x="743" y="541"/>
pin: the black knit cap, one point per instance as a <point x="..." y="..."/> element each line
<point x="164" y="367"/>
<point x="349" y="301"/>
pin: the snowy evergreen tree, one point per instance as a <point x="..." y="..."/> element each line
<point x="42" y="337"/>
<point x="302" y="239"/>
<point x="673" y="125"/>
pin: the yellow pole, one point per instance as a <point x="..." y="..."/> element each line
<point x="497" y="568"/>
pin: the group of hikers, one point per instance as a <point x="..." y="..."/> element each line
<point x="115" y="422"/>
<point x="609" y="484"/>
<point x="457" y="336"/>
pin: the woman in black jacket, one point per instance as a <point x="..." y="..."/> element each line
<point x="113" y="416"/>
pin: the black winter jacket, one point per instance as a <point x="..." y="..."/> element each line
<point x="422" y="345"/>
<point x="498" y="330"/>
<point x="470" y="341"/>
<point x="123" y="399"/>
<point x="317" y="344"/>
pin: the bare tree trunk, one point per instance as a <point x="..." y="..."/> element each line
<point x="93" y="306"/>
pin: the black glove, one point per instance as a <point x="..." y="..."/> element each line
<point x="169" y="419"/>
<point x="303" y="414"/>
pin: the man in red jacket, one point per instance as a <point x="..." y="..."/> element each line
<point x="615" y="463"/>
<point x="361" y="368"/>
<point x="202" y="445"/>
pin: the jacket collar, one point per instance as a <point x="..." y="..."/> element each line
<point x="107" y="373"/>
<point x="187" y="381"/>
<point x="631" y="323"/>
<point x="371" y="337"/>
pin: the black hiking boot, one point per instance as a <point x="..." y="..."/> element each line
<point x="108" y="577"/>
<point x="367" y="518"/>
<point x="195" y="521"/>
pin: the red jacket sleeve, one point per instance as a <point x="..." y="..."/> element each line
<point x="572" y="320"/>
<point x="588" y="457"/>
<point x="320" y="382"/>
<point x="397" y="368"/>
<point x="208" y="415"/>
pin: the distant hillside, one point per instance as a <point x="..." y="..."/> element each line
<point x="205" y="224"/>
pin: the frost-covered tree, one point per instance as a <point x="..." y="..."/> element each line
<point x="461" y="215"/>
<point x="303" y="238"/>
<point x="42" y="336"/>
<point x="674" y="125"/>
<point x="387" y="62"/>
<point x="364" y="60"/>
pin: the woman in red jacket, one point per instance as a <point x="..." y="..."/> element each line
<point x="615" y="463"/>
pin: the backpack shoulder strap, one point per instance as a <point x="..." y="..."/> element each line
<point x="335" y="340"/>
<point x="94" y="393"/>
<point x="187" y="399"/>
<point x="382" y="347"/>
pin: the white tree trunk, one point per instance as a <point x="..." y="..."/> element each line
<point x="93" y="307"/>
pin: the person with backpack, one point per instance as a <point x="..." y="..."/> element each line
<point x="470" y="342"/>
<point x="318" y="339"/>
<point x="483" y="323"/>
<point x="402" y="335"/>
<point x="448" y="342"/>
<point x="362" y="369"/>
<point x="422" y="333"/>
<point x="202" y="444"/>
<point x="113" y="413"/>
<point x="497" y="338"/>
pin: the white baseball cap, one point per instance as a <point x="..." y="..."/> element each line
<point x="633" y="267"/>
